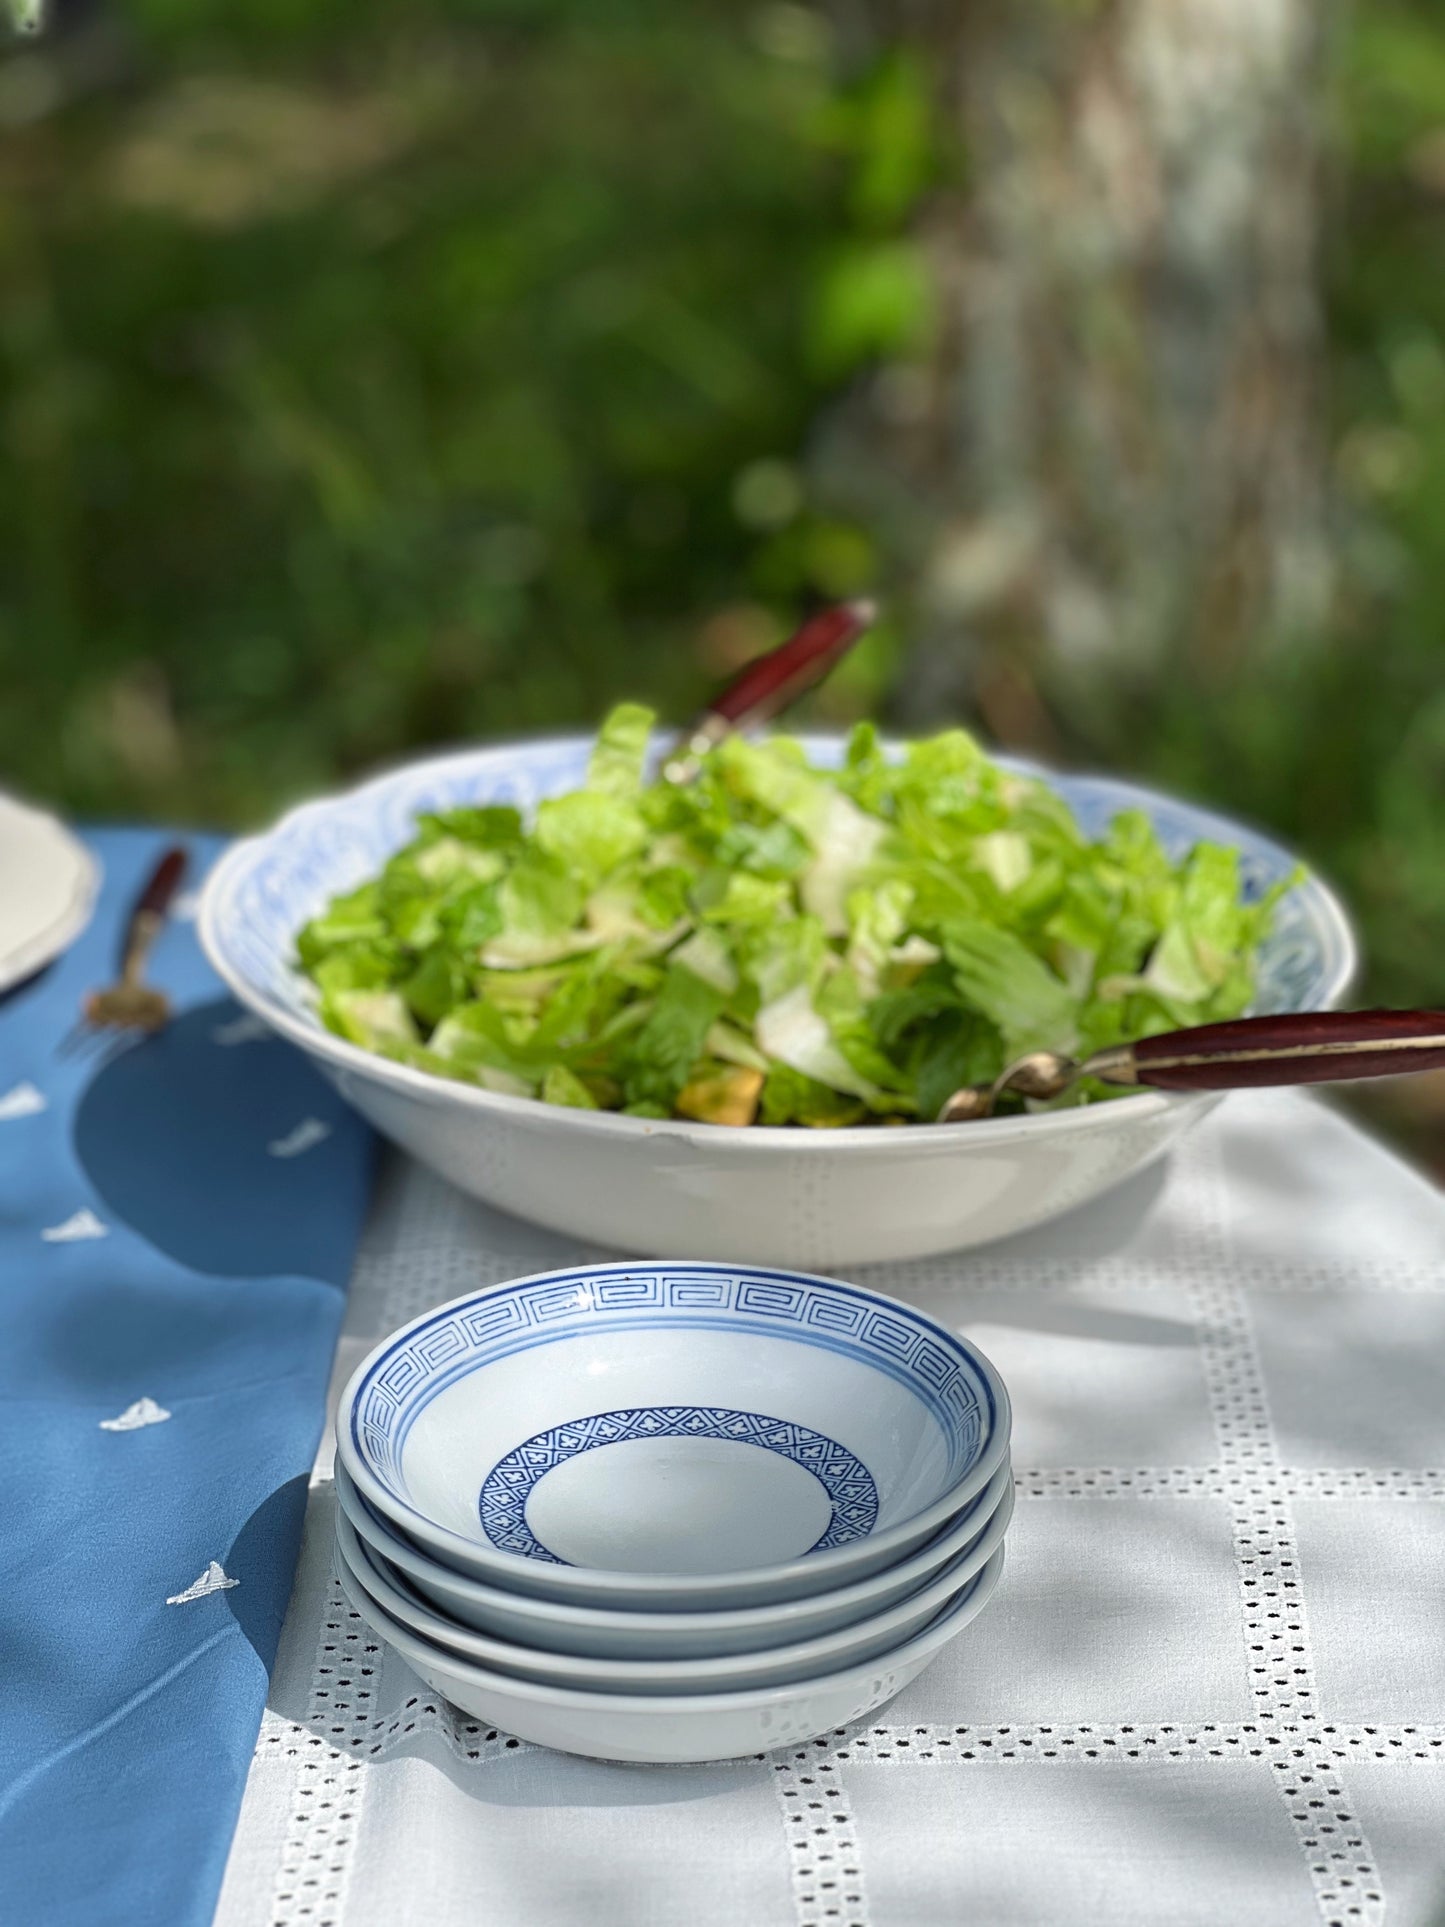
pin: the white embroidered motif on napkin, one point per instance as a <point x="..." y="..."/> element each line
<point x="214" y="1579"/>
<point x="145" y="1411"/>
<point x="244" y="1029"/>
<point x="23" y="1101"/>
<point x="80" y="1224"/>
<point x="308" y="1132"/>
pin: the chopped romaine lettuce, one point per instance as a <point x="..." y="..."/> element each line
<point x="620" y="752"/>
<point x="658" y="1059"/>
<point x="561" y="1086"/>
<point x="775" y="942"/>
<point x="793" y="1031"/>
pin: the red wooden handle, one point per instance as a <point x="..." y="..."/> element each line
<point x="148" y="911"/>
<point x="154" y="900"/>
<point x="1315" y="1047"/>
<point x="785" y="673"/>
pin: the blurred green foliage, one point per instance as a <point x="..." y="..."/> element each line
<point x="384" y="377"/>
<point x="380" y="375"/>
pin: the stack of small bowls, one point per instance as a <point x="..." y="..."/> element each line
<point x="670" y="1512"/>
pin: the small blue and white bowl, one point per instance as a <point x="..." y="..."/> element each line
<point x="599" y="1632"/>
<point x="780" y="1665"/>
<point x="654" y="1728"/>
<point x="672" y="1437"/>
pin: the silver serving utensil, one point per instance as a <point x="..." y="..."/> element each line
<point x="1312" y="1047"/>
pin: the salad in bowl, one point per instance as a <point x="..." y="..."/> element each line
<point x="717" y="1019"/>
<point x="778" y="942"/>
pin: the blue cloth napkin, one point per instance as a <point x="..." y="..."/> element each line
<point x="176" y="1232"/>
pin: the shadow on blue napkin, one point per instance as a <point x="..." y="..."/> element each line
<point x="264" y="1549"/>
<point x="185" y="1137"/>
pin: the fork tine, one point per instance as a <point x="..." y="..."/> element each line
<point x="94" y="1038"/>
<point x="113" y="1045"/>
<point x="75" y="1039"/>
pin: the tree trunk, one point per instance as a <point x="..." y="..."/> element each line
<point x="1110" y="463"/>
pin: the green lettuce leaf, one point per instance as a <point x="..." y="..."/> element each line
<point x="374" y="1018"/>
<point x="354" y="918"/>
<point x="490" y="826"/>
<point x="779" y="957"/>
<point x="673" y="1038"/>
<point x="791" y="1097"/>
<point x="589" y="835"/>
<point x="560" y="1086"/>
<point x="541" y="904"/>
<point x="1004" y="980"/>
<point x="438" y="984"/>
<point x="620" y="752"/>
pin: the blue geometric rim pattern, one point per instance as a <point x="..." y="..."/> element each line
<point x="936" y="1367"/>
<point x="510" y="1483"/>
<point x="274" y="883"/>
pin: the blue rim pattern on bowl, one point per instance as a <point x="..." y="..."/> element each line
<point x="265" y="887"/>
<point x="403" y="1376"/>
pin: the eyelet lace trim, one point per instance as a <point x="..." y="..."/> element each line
<point x="422" y="1249"/>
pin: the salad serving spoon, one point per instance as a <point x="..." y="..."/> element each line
<point x="1311" y="1047"/>
<point x="771" y="682"/>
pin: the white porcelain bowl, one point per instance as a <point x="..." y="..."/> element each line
<point x="591" y="1632"/>
<point x="711" y="1726"/>
<point x="808" y="1198"/>
<point x="672" y="1436"/>
<point x="726" y="1673"/>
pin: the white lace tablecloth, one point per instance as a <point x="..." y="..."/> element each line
<point x="1210" y="1690"/>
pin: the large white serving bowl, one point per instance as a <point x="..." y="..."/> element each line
<point x="591" y="1632"/>
<point x="746" y="1194"/>
<point x="672" y="1437"/>
<point x="725" y="1673"/>
<point x="658" y="1730"/>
